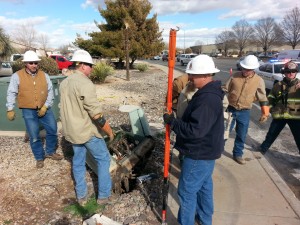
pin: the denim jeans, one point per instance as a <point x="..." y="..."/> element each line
<point x="33" y="123"/>
<point x="98" y="149"/>
<point x="275" y="129"/>
<point x="195" y="191"/>
<point x="241" y="119"/>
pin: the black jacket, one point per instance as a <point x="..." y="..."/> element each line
<point x="200" y="132"/>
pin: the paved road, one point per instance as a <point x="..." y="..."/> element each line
<point x="283" y="154"/>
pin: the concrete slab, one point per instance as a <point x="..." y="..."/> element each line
<point x="243" y="194"/>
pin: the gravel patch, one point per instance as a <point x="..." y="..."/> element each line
<point x="39" y="196"/>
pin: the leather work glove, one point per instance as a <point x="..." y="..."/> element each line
<point x="265" y="113"/>
<point x="263" y="118"/>
<point x="42" y="111"/>
<point x="168" y="117"/>
<point x="107" y="129"/>
<point x="11" y="115"/>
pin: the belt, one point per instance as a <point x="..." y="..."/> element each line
<point x="231" y="107"/>
<point x="293" y="110"/>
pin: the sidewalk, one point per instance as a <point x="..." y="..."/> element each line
<point x="243" y="194"/>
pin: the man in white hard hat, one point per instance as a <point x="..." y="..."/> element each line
<point x="200" y="139"/>
<point x="33" y="90"/>
<point x="243" y="88"/>
<point x="82" y="117"/>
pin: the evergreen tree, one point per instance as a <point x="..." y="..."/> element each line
<point x="126" y="24"/>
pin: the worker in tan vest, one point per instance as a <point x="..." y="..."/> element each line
<point x="243" y="88"/>
<point x="33" y="90"/>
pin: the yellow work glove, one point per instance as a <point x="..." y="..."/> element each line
<point x="11" y="115"/>
<point x="42" y="111"/>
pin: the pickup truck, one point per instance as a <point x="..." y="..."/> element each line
<point x="185" y="58"/>
<point x="61" y="61"/>
<point x="270" y="72"/>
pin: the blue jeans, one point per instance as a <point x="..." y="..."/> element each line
<point x="275" y="129"/>
<point x="32" y="123"/>
<point x="195" y="191"/>
<point x="98" y="149"/>
<point x="241" y="119"/>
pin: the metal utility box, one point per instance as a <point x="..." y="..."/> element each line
<point x="18" y="123"/>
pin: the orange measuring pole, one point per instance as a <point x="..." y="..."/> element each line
<point x="171" y="64"/>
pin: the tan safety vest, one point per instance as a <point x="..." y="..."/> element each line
<point x="33" y="90"/>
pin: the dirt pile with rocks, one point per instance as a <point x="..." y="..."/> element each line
<point x="39" y="196"/>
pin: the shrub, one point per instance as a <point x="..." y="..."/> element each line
<point x="100" y="72"/>
<point x="46" y="64"/>
<point x="142" y="67"/>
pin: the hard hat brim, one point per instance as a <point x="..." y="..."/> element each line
<point x="215" y="70"/>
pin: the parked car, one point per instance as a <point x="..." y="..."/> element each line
<point x="165" y="57"/>
<point x="5" y="69"/>
<point x="178" y="57"/>
<point x="271" y="72"/>
<point x="185" y="58"/>
<point x="156" y="57"/>
<point x="15" y="57"/>
<point x="289" y="55"/>
<point x="62" y="62"/>
<point x="238" y="65"/>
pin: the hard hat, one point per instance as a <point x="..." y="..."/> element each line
<point x="250" y="62"/>
<point x="290" y="67"/>
<point x="201" y="64"/>
<point x="30" y="56"/>
<point x="82" y="56"/>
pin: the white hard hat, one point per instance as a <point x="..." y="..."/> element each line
<point x="82" y="56"/>
<point x="30" y="56"/>
<point x="201" y="64"/>
<point x="250" y="62"/>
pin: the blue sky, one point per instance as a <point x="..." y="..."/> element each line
<point x="199" y="21"/>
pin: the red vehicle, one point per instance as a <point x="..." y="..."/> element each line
<point x="61" y="61"/>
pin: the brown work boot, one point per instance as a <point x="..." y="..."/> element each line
<point x="239" y="160"/>
<point x="39" y="164"/>
<point x="110" y="200"/>
<point x="54" y="156"/>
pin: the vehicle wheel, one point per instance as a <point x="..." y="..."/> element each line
<point x="181" y="63"/>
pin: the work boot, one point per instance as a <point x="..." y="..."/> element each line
<point x="239" y="160"/>
<point x="110" y="200"/>
<point x="55" y="156"/>
<point x="82" y="201"/>
<point x="39" y="164"/>
<point x="263" y="151"/>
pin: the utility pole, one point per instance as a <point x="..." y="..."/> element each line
<point x="183" y="41"/>
<point x="127" y="51"/>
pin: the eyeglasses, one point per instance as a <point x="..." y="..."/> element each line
<point x="31" y="63"/>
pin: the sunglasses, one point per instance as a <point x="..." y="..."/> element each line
<point x="31" y="63"/>
<point x="290" y="71"/>
<point x="87" y="64"/>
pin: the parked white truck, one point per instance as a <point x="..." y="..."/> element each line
<point x="185" y="58"/>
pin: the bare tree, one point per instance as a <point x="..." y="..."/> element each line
<point x="267" y="33"/>
<point x="26" y="36"/>
<point x="291" y="27"/>
<point x="242" y="33"/>
<point x="224" y="41"/>
<point x="43" y="40"/>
